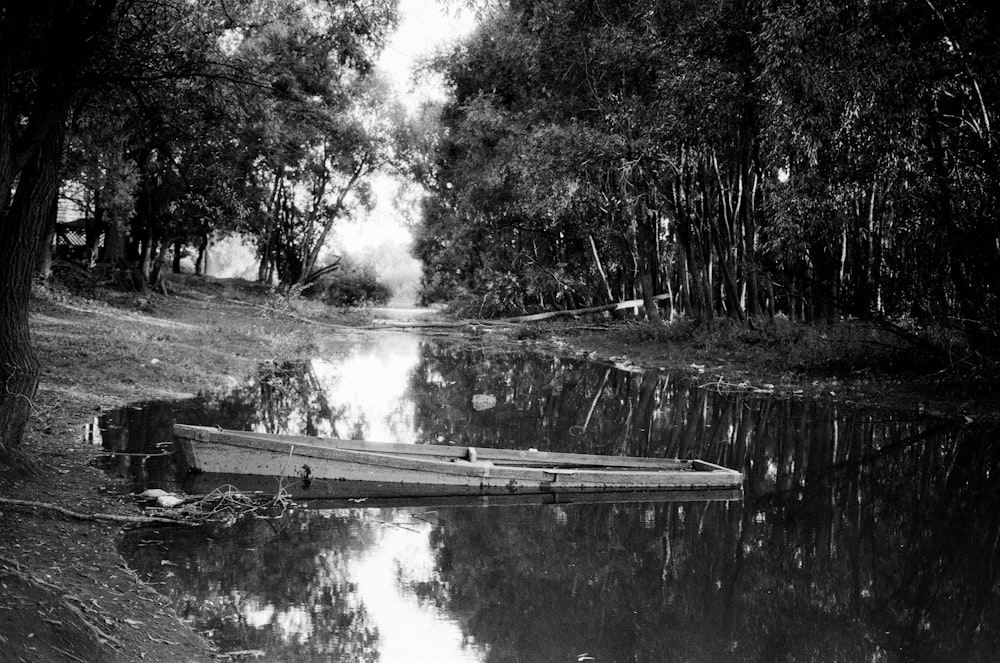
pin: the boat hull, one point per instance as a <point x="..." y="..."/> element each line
<point x="454" y="469"/>
<point x="353" y="494"/>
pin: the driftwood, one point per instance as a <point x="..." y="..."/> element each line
<point x="111" y="517"/>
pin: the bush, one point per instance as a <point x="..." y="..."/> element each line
<point x="353" y="286"/>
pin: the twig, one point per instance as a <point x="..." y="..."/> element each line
<point x="138" y="455"/>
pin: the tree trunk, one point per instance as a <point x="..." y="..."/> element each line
<point x="312" y="249"/>
<point x="600" y="269"/>
<point x="201" y="264"/>
<point x="22" y="231"/>
<point x="175" y="263"/>
<point x="45" y="251"/>
<point x="640" y="251"/>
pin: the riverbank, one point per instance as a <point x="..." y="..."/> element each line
<point x="851" y="363"/>
<point x="67" y="593"/>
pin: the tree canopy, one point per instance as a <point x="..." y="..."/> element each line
<point x="179" y="121"/>
<point x="748" y="158"/>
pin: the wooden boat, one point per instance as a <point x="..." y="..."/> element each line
<point x="426" y="467"/>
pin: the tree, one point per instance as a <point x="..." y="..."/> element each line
<point x="305" y="190"/>
<point x="47" y="51"/>
<point x="814" y="159"/>
<point x="155" y="62"/>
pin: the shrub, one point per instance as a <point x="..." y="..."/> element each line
<point x="351" y="286"/>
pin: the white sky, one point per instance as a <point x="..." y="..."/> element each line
<point x="424" y="26"/>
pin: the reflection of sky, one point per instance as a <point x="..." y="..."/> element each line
<point x="410" y="630"/>
<point x="369" y="384"/>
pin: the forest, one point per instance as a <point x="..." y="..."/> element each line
<point x="813" y="159"/>
<point x="737" y="159"/>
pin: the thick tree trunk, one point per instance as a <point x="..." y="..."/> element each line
<point x="22" y="232"/>
<point x="114" y="243"/>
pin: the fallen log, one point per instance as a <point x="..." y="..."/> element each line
<point x="629" y="303"/>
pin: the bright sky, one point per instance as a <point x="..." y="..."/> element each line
<point x="425" y="26"/>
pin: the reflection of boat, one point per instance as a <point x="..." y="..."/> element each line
<point x="350" y="494"/>
<point x="413" y="469"/>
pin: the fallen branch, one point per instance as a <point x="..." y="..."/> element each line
<point x="402" y="324"/>
<point x="534" y="317"/>
<point x="629" y="303"/>
<point x="133" y="520"/>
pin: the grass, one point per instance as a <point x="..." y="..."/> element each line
<point x="849" y="348"/>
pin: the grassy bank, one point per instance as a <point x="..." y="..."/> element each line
<point x="848" y="361"/>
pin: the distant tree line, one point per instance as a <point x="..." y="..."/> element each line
<point x="259" y="119"/>
<point x="748" y="158"/>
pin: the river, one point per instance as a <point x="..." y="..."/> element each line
<point x="860" y="535"/>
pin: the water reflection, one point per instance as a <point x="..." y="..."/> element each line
<point x="449" y="584"/>
<point x="862" y="536"/>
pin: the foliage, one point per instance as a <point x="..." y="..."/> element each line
<point x="261" y="119"/>
<point x="351" y="285"/>
<point x="815" y="160"/>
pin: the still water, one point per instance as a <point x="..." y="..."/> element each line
<point x="861" y="535"/>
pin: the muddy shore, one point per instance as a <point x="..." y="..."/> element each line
<point x="67" y="595"/>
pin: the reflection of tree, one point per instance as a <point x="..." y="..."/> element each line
<point x="542" y="402"/>
<point x="865" y="535"/>
<point x="148" y="428"/>
<point x="285" y="399"/>
<point x="868" y="536"/>
<point x="293" y="401"/>
<point x="620" y="582"/>
<point x="861" y="541"/>
<point x="278" y="586"/>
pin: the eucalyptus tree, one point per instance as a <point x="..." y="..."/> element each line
<point x="816" y="159"/>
